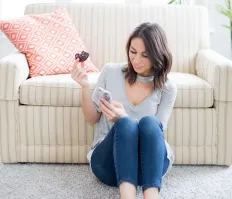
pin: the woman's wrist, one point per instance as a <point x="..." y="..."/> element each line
<point x="86" y="87"/>
<point x="124" y="115"/>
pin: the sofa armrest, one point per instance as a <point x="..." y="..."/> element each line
<point x="13" y="71"/>
<point x="216" y="70"/>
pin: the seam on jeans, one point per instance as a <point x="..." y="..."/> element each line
<point x="142" y="168"/>
<point x="114" y="150"/>
<point x="153" y="184"/>
<point x="156" y="183"/>
<point x="127" y="179"/>
<point x="147" y="186"/>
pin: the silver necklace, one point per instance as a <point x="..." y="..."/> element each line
<point x="145" y="79"/>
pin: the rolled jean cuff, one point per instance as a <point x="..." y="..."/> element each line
<point x="127" y="180"/>
<point x="154" y="185"/>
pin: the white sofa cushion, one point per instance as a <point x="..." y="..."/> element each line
<point x="54" y="90"/>
<point x="62" y="90"/>
<point x="193" y="92"/>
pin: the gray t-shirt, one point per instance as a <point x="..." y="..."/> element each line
<point x="158" y="103"/>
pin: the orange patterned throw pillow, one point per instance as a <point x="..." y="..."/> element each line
<point x="49" y="41"/>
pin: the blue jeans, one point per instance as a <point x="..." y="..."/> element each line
<point x="133" y="152"/>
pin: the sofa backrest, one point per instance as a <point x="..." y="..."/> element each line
<point x="105" y="29"/>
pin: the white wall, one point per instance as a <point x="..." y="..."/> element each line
<point x="220" y="37"/>
<point x="6" y="47"/>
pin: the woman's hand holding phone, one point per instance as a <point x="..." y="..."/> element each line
<point x="113" y="111"/>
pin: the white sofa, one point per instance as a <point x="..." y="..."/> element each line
<point x="41" y="119"/>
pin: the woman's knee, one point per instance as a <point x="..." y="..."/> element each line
<point x="150" y="125"/>
<point x="127" y="126"/>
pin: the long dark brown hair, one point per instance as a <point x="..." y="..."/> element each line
<point x="157" y="50"/>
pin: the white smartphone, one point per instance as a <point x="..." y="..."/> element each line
<point x="102" y="93"/>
